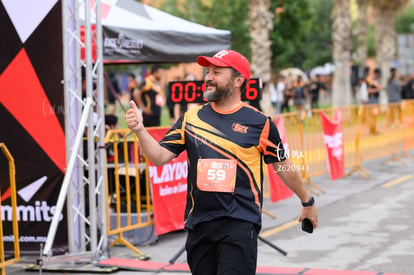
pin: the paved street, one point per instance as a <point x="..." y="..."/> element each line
<point x="365" y="225"/>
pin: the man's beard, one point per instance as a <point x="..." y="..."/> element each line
<point x="220" y="92"/>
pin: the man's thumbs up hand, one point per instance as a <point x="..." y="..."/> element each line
<point x="133" y="118"/>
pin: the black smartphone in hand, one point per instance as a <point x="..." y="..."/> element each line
<point x="307" y="225"/>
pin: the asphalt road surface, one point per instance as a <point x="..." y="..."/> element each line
<point x="368" y="231"/>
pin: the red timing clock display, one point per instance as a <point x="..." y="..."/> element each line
<point x="192" y="91"/>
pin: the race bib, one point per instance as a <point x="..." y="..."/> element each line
<point x="216" y="175"/>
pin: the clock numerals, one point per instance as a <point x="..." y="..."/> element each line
<point x="192" y="91"/>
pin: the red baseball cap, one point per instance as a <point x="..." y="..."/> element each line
<point x="227" y="58"/>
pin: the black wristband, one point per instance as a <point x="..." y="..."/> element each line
<point x="310" y="202"/>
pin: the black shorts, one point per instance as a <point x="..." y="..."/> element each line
<point x="222" y="246"/>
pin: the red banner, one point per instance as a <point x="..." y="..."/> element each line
<point x="334" y="142"/>
<point x="169" y="190"/>
<point x="278" y="190"/>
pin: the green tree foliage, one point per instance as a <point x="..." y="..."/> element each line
<point x="288" y="33"/>
<point x="302" y="33"/>
<point x="371" y="41"/>
<point x="405" y="20"/>
<point x="318" y="41"/>
<point x="229" y="15"/>
<point x="301" y="36"/>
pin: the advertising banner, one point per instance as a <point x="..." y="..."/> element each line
<point x="278" y="190"/>
<point x="169" y="190"/>
<point x="334" y="142"/>
<point x="32" y="120"/>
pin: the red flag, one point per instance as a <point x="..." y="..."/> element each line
<point x="169" y="190"/>
<point x="278" y="190"/>
<point x="334" y="142"/>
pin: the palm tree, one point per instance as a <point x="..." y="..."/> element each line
<point x="385" y="34"/>
<point x="362" y="31"/>
<point x="342" y="45"/>
<point x="260" y="24"/>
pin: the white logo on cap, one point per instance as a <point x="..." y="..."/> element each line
<point x="222" y="53"/>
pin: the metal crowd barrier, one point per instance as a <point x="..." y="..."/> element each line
<point x="128" y="187"/>
<point x="15" y="227"/>
<point x="369" y="132"/>
<point x="380" y="131"/>
<point x="306" y="147"/>
<point x="407" y="128"/>
<point x="352" y="149"/>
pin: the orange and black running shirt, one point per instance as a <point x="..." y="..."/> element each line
<point x="243" y="134"/>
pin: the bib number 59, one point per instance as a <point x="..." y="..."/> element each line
<point x="216" y="175"/>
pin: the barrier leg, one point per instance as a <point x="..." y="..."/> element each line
<point x="264" y="211"/>
<point x="360" y="169"/>
<point x="122" y="240"/>
<point x="393" y="158"/>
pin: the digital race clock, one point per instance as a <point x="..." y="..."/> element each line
<point x="192" y="91"/>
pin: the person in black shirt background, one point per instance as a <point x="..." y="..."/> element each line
<point x="317" y="86"/>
